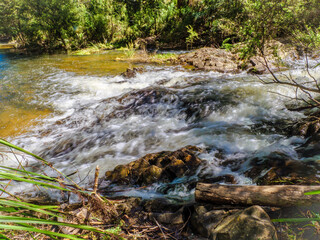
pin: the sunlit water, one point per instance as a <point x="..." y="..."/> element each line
<point x="78" y="112"/>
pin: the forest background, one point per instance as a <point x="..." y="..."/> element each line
<point x="75" y="24"/>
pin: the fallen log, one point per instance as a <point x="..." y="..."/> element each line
<point x="273" y="195"/>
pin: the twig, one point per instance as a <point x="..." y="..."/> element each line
<point x="160" y="228"/>
<point x="184" y="225"/>
<point x="96" y="180"/>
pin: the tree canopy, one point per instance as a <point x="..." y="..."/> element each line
<point x="72" y="24"/>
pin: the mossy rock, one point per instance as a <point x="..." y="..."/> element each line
<point x="157" y="167"/>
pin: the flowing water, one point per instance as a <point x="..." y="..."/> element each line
<point x="78" y="112"/>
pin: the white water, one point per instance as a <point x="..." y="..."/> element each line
<point x="111" y="120"/>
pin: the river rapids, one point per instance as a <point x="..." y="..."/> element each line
<point x="78" y="112"/>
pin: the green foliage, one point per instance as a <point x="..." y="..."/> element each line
<point x="72" y="24"/>
<point x="264" y="20"/>
<point x="104" y="21"/>
<point x="7" y="17"/>
<point x="193" y="35"/>
<point x="309" y="38"/>
<point x="220" y="18"/>
<point x="226" y="45"/>
<point x="130" y="50"/>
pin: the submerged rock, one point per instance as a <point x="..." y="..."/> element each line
<point x="131" y="72"/>
<point x="307" y="127"/>
<point x="157" y="167"/>
<point x="278" y="168"/>
<point x="311" y="147"/>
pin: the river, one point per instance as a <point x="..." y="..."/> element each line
<point x="78" y="112"/>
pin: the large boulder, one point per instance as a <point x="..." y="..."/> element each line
<point x="277" y="54"/>
<point x="220" y="224"/>
<point x="157" y="167"/>
<point x="205" y="219"/>
<point x="251" y="223"/>
<point x="213" y="59"/>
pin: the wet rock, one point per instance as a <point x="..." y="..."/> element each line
<point x="251" y="223"/>
<point x="307" y="127"/>
<point x="132" y="72"/>
<point x="157" y="167"/>
<point x="228" y="178"/>
<point x="193" y="105"/>
<point x="311" y="147"/>
<point x="204" y="219"/>
<point x="278" y="168"/>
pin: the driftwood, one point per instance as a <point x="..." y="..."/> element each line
<point x="274" y="195"/>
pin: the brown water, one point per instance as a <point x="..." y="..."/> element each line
<point x="15" y="121"/>
<point x="21" y="106"/>
<point x="96" y="64"/>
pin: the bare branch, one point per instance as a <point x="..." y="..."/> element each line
<point x="311" y="76"/>
<point x="289" y="80"/>
<point x="278" y="81"/>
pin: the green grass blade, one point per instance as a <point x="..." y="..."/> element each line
<point x="8" y="209"/>
<point x="7" y="201"/>
<point x="33" y="229"/>
<point x="295" y="220"/>
<point x="312" y="192"/>
<point x="14" y="170"/>
<point x="4" y="142"/>
<point x="28" y="206"/>
<point x="3" y="237"/>
<point x="24" y="220"/>
<point x="14" y="177"/>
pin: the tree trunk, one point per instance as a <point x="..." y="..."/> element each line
<point x="274" y="195"/>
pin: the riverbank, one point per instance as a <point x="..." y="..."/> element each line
<point x="279" y="57"/>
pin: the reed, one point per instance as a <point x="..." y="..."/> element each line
<point x="18" y="216"/>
